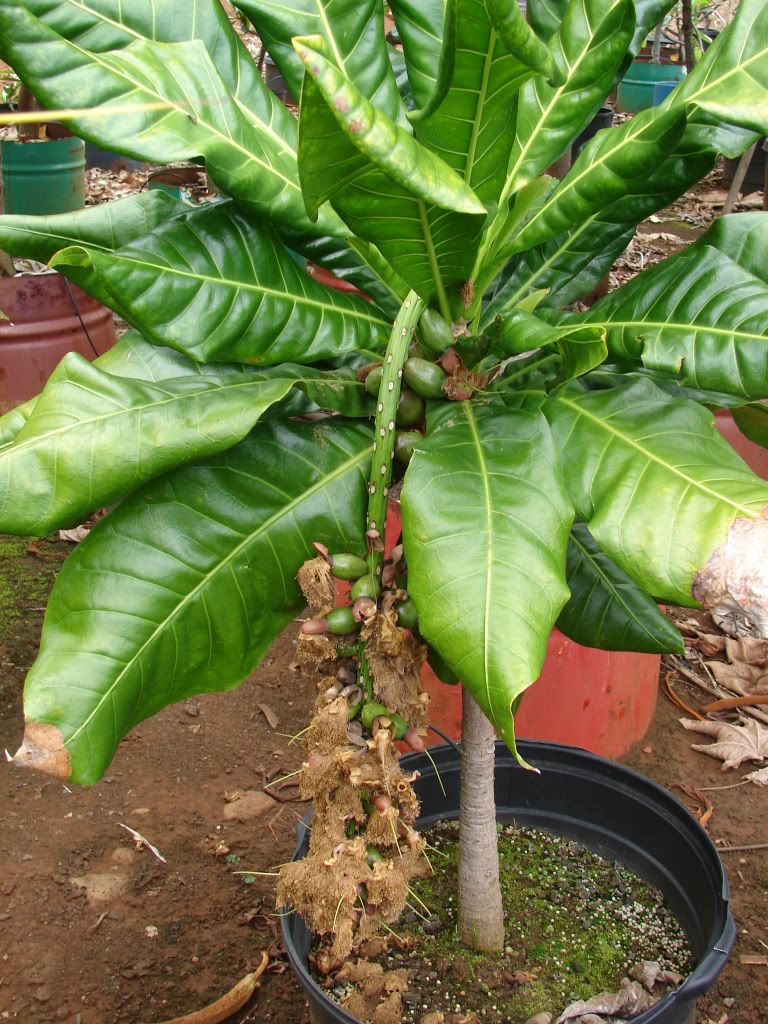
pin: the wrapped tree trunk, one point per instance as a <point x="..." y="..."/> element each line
<point x="481" y="917"/>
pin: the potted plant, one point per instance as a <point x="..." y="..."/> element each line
<point x="531" y="430"/>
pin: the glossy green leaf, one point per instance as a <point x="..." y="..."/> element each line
<point x="216" y="283"/>
<point x="431" y="248"/>
<point x="61" y="464"/>
<point x="104" y="25"/>
<point x="731" y="81"/>
<point x="698" y="317"/>
<point x="654" y="481"/>
<point x="744" y="238"/>
<point x="182" y="588"/>
<point x="588" y="49"/>
<point x="648" y="14"/>
<point x="473" y="129"/>
<point x="546" y="16"/>
<point x="572" y="264"/>
<point x="486" y="523"/>
<point x="130" y="357"/>
<point x="354" y="33"/>
<point x="606" y="170"/>
<point x="518" y="38"/>
<point x="427" y="30"/>
<point x="606" y="609"/>
<point x="752" y="421"/>
<point x="353" y="261"/>
<point x="162" y="102"/>
<point x="580" y="348"/>
<point x="105" y="227"/>
<point x="371" y="138"/>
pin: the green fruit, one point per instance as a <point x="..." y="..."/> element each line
<point x="372" y="710"/>
<point x="443" y="672"/>
<point x="373" y="856"/>
<point x="366" y="586"/>
<point x="410" y="411"/>
<point x="405" y="441"/>
<point x="348" y="567"/>
<point x="407" y="616"/>
<point x="341" y="620"/>
<point x="472" y="349"/>
<point x="423" y="377"/>
<point x="373" y="380"/>
<point x="434" y="332"/>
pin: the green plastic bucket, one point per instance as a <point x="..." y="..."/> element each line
<point x="636" y="88"/>
<point x="44" y="177"/>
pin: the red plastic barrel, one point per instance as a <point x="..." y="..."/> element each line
<point x="42" y="326"/>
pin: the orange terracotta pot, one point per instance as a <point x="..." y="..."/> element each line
<point x="755" y="456"/>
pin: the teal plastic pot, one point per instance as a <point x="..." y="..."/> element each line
<point x="44" y="177"/>
<point x="636" y="88"/>
<point x="662" y="89"/>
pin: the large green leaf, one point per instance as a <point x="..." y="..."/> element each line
<point x="162" y="102"/>
<point x="698" y="317"/>
<point x="336" y="390"/>
<point x="62" y="463"/>
<point x="654" y="481"/>
<point x="606" y="609"/>
<point x="383" y="182"/>
<point x="485" y="525"/>
<point x="752" y="421"/>
<point x="588" y="49"/>
<point x="427" y="30"/>
<point x="216" y="283"/>
<point x="103" y="25"/>
<point x="353" y="30"/>
<point x="182" y="588"/>
<point x="571" y="265"/>
<point x="546" y="16"/>
<point x="607" y="169"/>
<point x="105" y="227"/>
<point x="731" y="81"/>
<point x="519" y="38"/>
<point x="473" y="129"/>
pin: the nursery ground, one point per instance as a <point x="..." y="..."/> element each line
<point x="96" y="931"/>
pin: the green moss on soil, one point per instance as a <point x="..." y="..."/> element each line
<point x="25" y="583"/>
<point x="575" y="924"/>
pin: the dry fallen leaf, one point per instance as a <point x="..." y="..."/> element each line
<point x="759" y="777"/>
<point x="270" y="715"/>
<point x="734" y="743"/>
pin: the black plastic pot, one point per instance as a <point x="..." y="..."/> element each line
<point x="610" y="808"/>
<point x="602" y="119"/>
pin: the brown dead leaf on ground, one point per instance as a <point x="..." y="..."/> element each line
<point x="270" y="715"/>
<point x="734" y="743"/>
<point x="704" y="811"/>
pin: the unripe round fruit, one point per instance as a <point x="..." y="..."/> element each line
<point x="407" y="616"/>
<point x="345" y="566"/>
<point x="410" y="410"/>
<point x="341" y="620"/>
<point x="434" y="332"/>
<point x="405" y="442"/>
<point x="366" y="586"/>
<point x="373" y="380"/>
<point x="423" y="377"/>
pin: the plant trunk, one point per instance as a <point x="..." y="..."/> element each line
<point x="481" y="917"/>
<point x="689" y="53"/>
<point x="656" y="48"/>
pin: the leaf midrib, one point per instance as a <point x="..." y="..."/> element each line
<point x="138" y="409"/>
<point x="680" y="326"/>
<point x="624" y="438"/>
<point x="235" y="96"/>
<point x="321" y="484"/>
<point x="472" y="423"/>
<point x="228" y="283"/>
